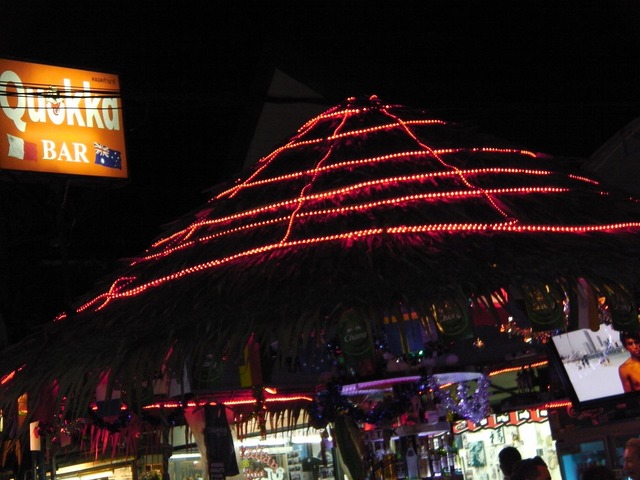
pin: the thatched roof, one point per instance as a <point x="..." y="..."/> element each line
<point x="368" y="206"/>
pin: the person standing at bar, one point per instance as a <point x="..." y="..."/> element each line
<point x="507" y="458"/>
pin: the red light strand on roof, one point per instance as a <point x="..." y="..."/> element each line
<point x="187" y="233"/>
<point x="462" y="177"/>
<point x="293" y="144"/>
<point x="307" y="187"/>
<point x="227" y="403"/>
<point x="510" y="226"/>
<point x="362" y="196"/>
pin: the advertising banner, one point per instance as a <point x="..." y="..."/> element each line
<point x="221" y="457"/>
<point x="60" y="120"/>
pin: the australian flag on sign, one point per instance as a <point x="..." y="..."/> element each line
<point x="107" y="157"/>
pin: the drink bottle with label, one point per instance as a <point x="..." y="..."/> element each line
<point x="412" y="460"/>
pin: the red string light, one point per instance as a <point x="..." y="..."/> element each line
<point x="114" y="293"/>
<point x="229" y="403"/>
<point x="311" y="204"/>
<point x="558" y="404"/>
<point x="542" y="363"/>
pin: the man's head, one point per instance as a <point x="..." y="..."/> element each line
<point x="507" y="458"/>
<point x="531" y="469"/>
<point x="631" y="341"/>
<point x="631" y="458"/>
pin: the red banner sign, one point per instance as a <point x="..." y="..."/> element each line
<point x="502" y="420"/>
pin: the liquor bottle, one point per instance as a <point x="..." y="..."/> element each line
<point x="412" y="464"/>
<point x="434" y="455"/>
<point x="444" y="458"/>
<point x="452" y="453"/>
<point x="423" y="462"/>
<point x="377" y="457"/>
<point x="401" y="463"/>
<point x="389" y="465"/>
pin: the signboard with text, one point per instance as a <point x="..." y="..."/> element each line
<point x="60" y="120"/>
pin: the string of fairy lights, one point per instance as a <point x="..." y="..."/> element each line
<point x="305" y="204"/>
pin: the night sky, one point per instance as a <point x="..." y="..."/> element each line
<point x="555" y="78"/>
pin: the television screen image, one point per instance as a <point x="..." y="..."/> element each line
<point x="589" y="361"/>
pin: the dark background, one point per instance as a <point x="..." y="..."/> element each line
<point x="558" y="77"/>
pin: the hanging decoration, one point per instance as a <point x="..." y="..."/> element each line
<point x="221" y="458"/>
<point x="452" y="319"/>
<point x="426" y="357"/>
<point x="330" y="404"/>
<point x="544" y="305"/>
<point x="527" y="335"/>
<point x="617" y="308"/>
<point x="356" y="342"/>
<point x="404" y="331"/>
<point x="114" y="423"/>
<point x="62" y="434"/>
<point x="255" y="464"/>
<point x="463" y="394"/>
<point x="585" y="308"/>
<point x="260" y="410"/>
<point x="459" y="394"/>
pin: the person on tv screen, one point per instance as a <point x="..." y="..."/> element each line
<point x="629" y="371"/>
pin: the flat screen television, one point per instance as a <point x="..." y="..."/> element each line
<point x="588" y="362"/>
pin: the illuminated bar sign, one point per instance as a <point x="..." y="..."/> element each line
<point x="60" y="120"/>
